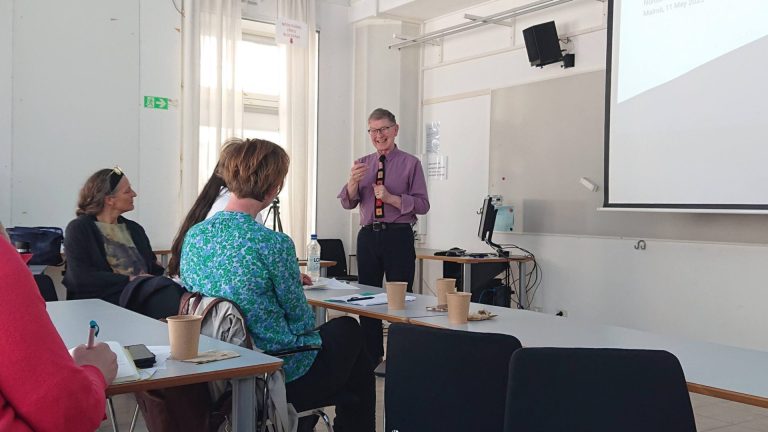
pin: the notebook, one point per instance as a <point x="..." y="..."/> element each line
<point x="126" y="369"/>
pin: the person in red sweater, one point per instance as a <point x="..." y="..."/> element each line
<point x="42" y="387"/>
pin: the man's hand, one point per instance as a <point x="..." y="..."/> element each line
<point x="355" y="175"/>
<point x="381" y="192"/>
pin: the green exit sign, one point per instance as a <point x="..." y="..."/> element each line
<point x="155" y="102"/>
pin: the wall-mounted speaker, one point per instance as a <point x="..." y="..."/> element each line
<point x="542" y="44"/>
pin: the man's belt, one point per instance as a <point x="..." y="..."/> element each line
<point x="382" y="226"/>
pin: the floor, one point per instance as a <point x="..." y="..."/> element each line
<point x="711" y="414"/>
<point x="125" y="404"/>
<point x="719" y="415"/>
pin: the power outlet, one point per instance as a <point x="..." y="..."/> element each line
<point x="562" y="313"/>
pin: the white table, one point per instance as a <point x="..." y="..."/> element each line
<point x="717" y="370"/>
<point x="71" y="319"/>
<point x="466" y="267"/>
<point x="317" y="297"/>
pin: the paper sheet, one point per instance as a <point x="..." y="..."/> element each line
<point x="212" y="356"/>
<point x="370" y="300"/>
<point x="161" y="352"/>
<point x="330" y="283"/>
<point x="126" y="370"/>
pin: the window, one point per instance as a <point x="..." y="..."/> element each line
<point x="262" y="74"/>
<point x="261" y="71"/>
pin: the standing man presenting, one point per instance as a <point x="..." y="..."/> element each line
<point x="390" y="188"/>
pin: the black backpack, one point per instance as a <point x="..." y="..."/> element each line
<point x="44" y="242"/>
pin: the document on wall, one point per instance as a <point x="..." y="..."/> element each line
<point x="437" y="166"/>
<point x="291" y="32"/>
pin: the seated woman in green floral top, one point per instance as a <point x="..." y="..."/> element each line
<point x="232" y="256"/>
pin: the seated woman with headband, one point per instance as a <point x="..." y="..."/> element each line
<point x="104" y="250"/>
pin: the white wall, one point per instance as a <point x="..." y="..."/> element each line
<point x="75" y="105"/>
<point x="6" y="108"/>
<point x="702" y="290"/>
<point x="706" y="291"/>
<point x="78" y="74"/>
<point x="334" y="134"/>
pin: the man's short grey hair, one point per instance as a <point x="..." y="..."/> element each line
<point x="381" y="114"/>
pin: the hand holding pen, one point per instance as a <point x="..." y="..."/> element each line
<point x="92" y="333"/>
<point x="96" y="354"/>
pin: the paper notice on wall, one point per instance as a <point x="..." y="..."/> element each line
<point x="437" y="166"/>
<point x="433" y="137"/>
<point x="291" y="32"/>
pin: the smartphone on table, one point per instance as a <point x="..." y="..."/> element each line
<point x="142" y="357"/>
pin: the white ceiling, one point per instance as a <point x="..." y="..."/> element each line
<point x="422" y="10"/>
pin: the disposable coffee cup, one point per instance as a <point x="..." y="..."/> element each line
<point x="458" y="307"/>
<point x="184" y="334"/>
<point x="396" y="295"/>
<point x="445" y="286"/>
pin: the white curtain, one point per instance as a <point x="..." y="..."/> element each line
<point x="297" y="126"/>
<point x="212" y="96"/>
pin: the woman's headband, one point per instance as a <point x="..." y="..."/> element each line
<point x="115" y="176"/>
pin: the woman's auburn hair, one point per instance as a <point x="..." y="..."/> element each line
<point x="252" y="168"/>
<point x="210" y="191"/>
<point x="90" y="200"/>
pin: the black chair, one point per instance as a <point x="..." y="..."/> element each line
<point x="446" y="380"/>
<point x="46" y="287"/>
<point x="333" y="250"/>
<point x="598" y="389"/>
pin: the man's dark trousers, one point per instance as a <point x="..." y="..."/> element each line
<point x="388" y="252"/>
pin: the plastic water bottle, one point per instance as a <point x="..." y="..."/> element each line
<point x="313" y="259"/>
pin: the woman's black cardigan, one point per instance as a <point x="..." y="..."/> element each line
<point x="88" y="274"/>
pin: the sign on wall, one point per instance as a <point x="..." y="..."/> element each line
<point x="437" y="164"/>
<point x="155" y="102"/>
<point x="291" y="32"/>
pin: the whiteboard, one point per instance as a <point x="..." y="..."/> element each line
<point x="546" y="135"/>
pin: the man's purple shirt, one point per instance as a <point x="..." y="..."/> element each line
<point x="403" y="176"/>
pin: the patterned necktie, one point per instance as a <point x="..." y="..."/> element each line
<point x="379" y="209"/>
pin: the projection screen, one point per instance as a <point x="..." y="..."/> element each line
<point x="687" y="105"/>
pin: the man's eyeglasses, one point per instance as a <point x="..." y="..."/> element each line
<point x="114" y="178"/>
<point x="381" y="130"/>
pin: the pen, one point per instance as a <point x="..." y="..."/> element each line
<point x="358" y="298"/>
<point x="92" y="333"/>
